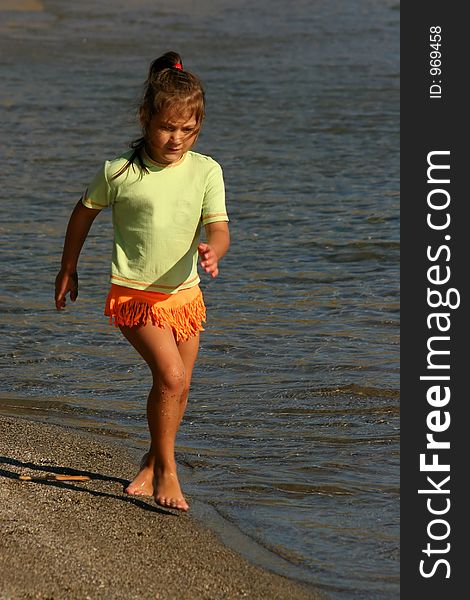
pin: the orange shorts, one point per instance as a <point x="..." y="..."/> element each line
<point x="184" y="311"/>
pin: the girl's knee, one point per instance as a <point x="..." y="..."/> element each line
<point x="172" y="380"/>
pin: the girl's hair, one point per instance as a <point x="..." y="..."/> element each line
<point x="167" y="87"/>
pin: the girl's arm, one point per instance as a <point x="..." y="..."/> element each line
<point x="218" y="242"/>
<point x="77" y="231"/>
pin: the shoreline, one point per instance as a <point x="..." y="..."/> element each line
<point x="88" y="539"/>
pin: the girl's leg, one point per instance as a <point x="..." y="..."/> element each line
<point x="188" y="351"/>
<point x="171" y="365"/>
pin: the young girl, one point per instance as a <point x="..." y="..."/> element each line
<point x="160" y="194"/>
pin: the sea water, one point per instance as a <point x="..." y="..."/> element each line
<point x="291" y="438"/>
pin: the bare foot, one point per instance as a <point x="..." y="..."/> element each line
<point x="143" y="482"/>
<point x="168" y="491"/>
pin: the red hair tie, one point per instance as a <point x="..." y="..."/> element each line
<point x="178" y="66"/>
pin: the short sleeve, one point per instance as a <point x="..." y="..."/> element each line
<point x="213" y="205"/>
<point x="99" y="194"/>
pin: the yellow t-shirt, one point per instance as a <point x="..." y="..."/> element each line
<point x="157" y="218"/>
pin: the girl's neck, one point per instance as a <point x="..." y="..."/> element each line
<point x="147" y="156"/>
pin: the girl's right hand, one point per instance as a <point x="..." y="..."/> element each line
<point x="65" y="282"/>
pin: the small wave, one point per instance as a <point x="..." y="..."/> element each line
<point x="349" y="390"/>
<point x="14" y="404"/>
<point x="355" y="244"/>
<point x="322" y="490"/>
<point x="358" y="390"/>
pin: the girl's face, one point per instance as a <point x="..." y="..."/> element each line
<point x="169" y="136"/>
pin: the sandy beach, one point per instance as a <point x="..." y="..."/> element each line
<point x="87" y="539"/>
<point x="21" y="5"/>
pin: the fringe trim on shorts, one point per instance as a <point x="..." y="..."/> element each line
<point x="185" y="320"/>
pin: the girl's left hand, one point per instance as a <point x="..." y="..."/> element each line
<point x="65" y="283"/>
<point x="208" y="259"/>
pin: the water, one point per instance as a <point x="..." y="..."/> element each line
<point x="292" y="432"/>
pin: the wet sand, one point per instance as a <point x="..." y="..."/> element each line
<point x="21" y="5"/>
<point x="87" y="539"/>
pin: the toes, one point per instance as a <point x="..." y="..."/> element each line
<point x="178" y="504"/>
<point x="136" y="493"/>
<point x="139" y="491"/>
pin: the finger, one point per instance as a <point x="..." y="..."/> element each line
<point x="209" y="265"/>
<point x="59" y="299"/>
<point x="206" y="257"/>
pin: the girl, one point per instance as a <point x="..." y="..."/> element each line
<point x="160" y="194"/>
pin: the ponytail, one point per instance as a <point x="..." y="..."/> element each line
<point x="169" y="60"/>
